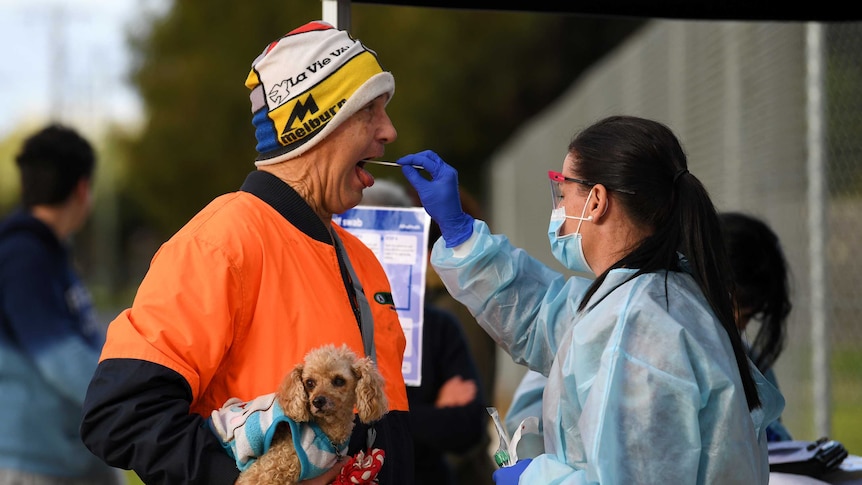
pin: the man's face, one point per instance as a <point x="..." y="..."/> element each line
<point x="360" y="137"/>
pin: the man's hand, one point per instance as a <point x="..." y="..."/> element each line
<point x="456" y="392"/>
<point x="326" y="478"/>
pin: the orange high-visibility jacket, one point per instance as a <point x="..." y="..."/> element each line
<point x="238" y="296"/>
<point x="235" y="299"/>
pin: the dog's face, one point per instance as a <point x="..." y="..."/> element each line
<point x="327" y="386"/>
<point x="324" y="388"/>
<point x="330" y="384"/>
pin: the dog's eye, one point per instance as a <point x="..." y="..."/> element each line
<point x="309" y="384"/>
<point x="338" y="381"/>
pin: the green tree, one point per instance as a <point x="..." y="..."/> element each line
<point x="190" y="68"/>
<point x="465" y="80"/>
<point x="9" y="184"/>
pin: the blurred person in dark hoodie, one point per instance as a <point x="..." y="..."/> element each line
<point x="49" y="337"/>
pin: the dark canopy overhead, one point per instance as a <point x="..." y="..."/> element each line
<point x="762" y="10"/>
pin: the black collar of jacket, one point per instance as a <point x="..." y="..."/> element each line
<point x="281" y="196"/>
<point x="272" y="190"/>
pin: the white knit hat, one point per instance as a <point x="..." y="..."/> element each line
<point x="307" y="83"/>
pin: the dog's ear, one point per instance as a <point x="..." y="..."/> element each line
<point x="293" y="398"/>
<point x="371" y="402"/>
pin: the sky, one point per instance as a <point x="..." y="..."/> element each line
<point x="67" y="60"/>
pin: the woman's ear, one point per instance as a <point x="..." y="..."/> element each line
<point x="598" y="204"/>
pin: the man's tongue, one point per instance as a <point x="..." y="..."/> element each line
<point x="366" y="178"/>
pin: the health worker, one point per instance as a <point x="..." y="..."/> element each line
<point x="648" y="380"/>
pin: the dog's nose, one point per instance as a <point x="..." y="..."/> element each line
<point x="319" y="402"/>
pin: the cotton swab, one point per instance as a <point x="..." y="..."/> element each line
<point x="392" y="164"/>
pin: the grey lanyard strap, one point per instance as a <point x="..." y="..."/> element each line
<point x="367" y="318"/>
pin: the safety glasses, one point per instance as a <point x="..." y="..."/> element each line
<point x="558" y="179"/>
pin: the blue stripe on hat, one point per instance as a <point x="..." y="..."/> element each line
<point x="267" y="138"/>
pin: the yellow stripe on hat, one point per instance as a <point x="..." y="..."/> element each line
<point x="306" y="114"/>
<point x="252" y="79"/>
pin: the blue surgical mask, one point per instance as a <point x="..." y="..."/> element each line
<point x="568" y="249"/>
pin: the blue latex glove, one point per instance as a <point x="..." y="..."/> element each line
<point x="440" y="195"/>
<point x="509" y="475"/>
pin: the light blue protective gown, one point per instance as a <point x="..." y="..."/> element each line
<point x="526" y="401"/>
<point x="637" y="392"/>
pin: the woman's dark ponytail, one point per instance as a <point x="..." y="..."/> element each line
<point x="702" y="243"/>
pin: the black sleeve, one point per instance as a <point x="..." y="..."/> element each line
<point x="136" y="417"/>
<point x="445" y="354"/>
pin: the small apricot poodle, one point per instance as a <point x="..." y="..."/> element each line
<point x="323" y="389"/>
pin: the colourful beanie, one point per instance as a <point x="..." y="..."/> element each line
<point x="307" y="83"/>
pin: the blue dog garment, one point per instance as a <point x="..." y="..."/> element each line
<point x="246" y="430"/>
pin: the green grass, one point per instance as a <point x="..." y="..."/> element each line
<point x="132" y="479"/>
<point x="847" y="398"/>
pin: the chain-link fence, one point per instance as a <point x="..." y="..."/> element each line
<point x="769" y="115"/>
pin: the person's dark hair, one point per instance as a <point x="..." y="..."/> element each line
<point x="52" y="162"/>
<point x="761" y="282"/>
<point x="643" y="164"/>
